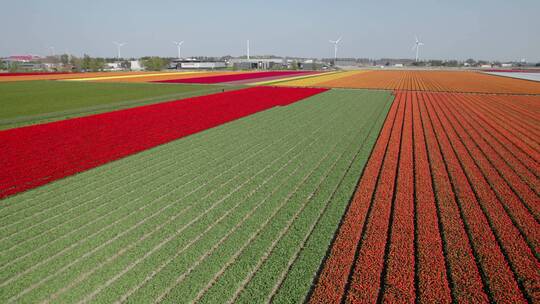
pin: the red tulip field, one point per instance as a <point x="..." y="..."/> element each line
<point x="35" y="155"/>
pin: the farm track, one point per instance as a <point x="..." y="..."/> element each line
<point x="447" y="208"/>
<point x="154" y="225"/>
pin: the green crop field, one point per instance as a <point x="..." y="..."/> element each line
<point x="239" y="213"/>
<point x="29" y="102"/>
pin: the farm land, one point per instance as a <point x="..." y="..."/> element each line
<point x="240" y="187"/>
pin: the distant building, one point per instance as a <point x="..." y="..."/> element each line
<point x="311" y="64"/>
<point x="51" y="66"/>
<point x="392" y="61"/>
<point x="346" y="63"/>
<point x="190" y="63"/>
<point x="25" y="62"/>
<point x="202" y="65"/>
<point x="257" y="63"/>
<point x="135" y="65"/>
<point x="113" y="66"/>
<point x="23" y="58"/>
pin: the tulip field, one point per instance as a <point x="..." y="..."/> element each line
<point x="62" y="148"/>
<point x="447" y="209"/>
<point x="432" y="81"/>
<point x="11" y="77"/>
<point x="25" y="103"/>
<point x="236" y="77"/>
<point x="31" y="74"/>
<point x="369" y="186"/>
<point x="196" y="219"/>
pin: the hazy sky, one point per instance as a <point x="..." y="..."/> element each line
<point x="482" y="29"/>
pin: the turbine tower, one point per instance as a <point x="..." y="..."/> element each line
<point x="53" y="52"/>
<point x="248" y="50"/>
<point x="416" y="46"/>
<point x="335" y="43"/>
<point x="119" y="45"/>
<point x="178" y="46"/>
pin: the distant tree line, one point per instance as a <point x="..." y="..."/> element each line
<point x="154" y="63"/>
<point x="86" y="63"/>
<point x="90" y="64"/>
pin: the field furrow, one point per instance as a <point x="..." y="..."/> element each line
<point x="493" y="184"/>
<point x="431" y="265"/>
<point x="335" y="273"/>
<point x="516" y="145"/>
<point x="464" y="276"/>
<point x="399" y="273"/>
<point x="502" y="153"/>
<point x="366" y="276"/>
<point x="513" y="246"/>
<point x="495" y="270"/>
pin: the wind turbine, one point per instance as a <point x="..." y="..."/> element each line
<point x="335" y="43"/>
<point x="53" y="52"/>
<point x="417" y="45"/>
<point x="119" y="45"/>
<point x="178" y="46"/>
<point x="248" y="50"/>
